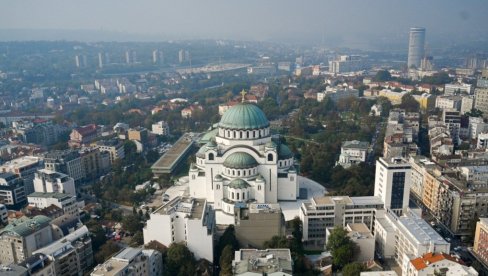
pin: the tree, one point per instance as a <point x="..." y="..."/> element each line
<point x="179" y="260"/>
<point x="106" y="250"/>
<point x="382" y="75"/>
<point x="137" y="239"/>
<point x="341" y="247"/>
<point x="409" y="103"/>
<point x="474" y="113"/>
<point x="132" y="223"/>
<point x="226" y="261"/>
<point x="353" y="269"/>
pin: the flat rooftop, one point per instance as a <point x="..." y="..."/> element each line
<point x="264" y="208"/>
<point x="366" y="200"/>
<point x="263" y="261"/>
<point x="21" y="162"/>
<point x="128" y="254"/>
<point x="193" y="207"/>
<point x="171" y="156"/>
<point x="50" y="195"/>
<point x="332" y="200"/>
<point x="420" y="230"/>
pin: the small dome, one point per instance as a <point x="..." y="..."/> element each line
<point x="260" y="178"/>
<point x="238" y="184"/>
<point x="218" y="177"/>
<point x="201" y="152"/>
<point x="271" y="144"/>
<point x="240" y="160"/>
<point x="284" y="152"/>
<point x="244" y="116"/>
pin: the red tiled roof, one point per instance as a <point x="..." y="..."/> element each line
<point x="86" y="130"/>
<point x="430" y="258"/>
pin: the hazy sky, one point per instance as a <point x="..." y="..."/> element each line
<point x="252" y="19"/>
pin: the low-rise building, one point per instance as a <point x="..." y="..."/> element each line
<point x="361" y="235"/>
<point x="405" y="237"/>
<point x="3" y="214"/>
<point x="47" y="181"/>
<point x="65" y="161"/>
<point x="325" y="212"/>
<point x="20" y="238"/>
<point x="114" y="147"/>
<point x="71" y="255"/>
<point x="83" y="135"/>
<point x="183" y="219"/>
<point x="24" y="167"/>
<point x="12" y="191"/>
<point x="438" y="264"/>
<point x="263" y="262"/>
<point x="161" y="128"/>
<point x="257" y="223"/>
<point x="133" y="262"/>
<point x="352" y="153"/>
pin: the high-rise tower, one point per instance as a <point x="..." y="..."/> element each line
<point x="416" y="47"/>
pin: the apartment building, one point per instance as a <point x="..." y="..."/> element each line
<point x="47" y="181"/>
<point x="133" y="262"/>
<point x="24" y="167"/>
<point x="480" y="245"/>
<point x="352" y="153"/>
<point x="183" y="219"/>
<point x="12" y="191"/>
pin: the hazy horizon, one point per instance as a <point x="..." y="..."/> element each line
<point x="334" y="22"/>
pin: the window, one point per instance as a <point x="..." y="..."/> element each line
<point x="243" y="196"/>
<point x="210" y="156"/>
<point x="218" y="187"/>
<point x="193" y="177"/>
<point x="270" y="157"/>
<point x="232" y="195"/>
<point x="259" y="187"/>
<point x="237" y="196"/>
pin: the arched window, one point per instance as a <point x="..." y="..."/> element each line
<point x="237" y="196"/>
<point x="218" y="187"/>
<point x="270" y="157"/>
<point x="240" y="134"/>
<point x="232" y="195"/>
<point x="243" y="195"/>
<point x="238" y="173"/>
<point x="193" y="177"/>
<point x="244" y="173"/>
<point x="210" y="156"/>
<point x="247" y="133"/>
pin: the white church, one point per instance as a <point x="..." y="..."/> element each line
<point x="243" y="164"/>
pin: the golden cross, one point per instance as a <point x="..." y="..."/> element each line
<point x="243" y="93"/>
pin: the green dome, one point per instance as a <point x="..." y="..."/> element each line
<point x="238" y="184"/>
<point x="240" y="160"/>
<point x="244" y="116"/>
<point x="284" y="152"/>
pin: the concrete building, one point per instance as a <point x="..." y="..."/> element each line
<point x="401" y="134"/>
<point x="481" y="100"/>
<point x="172" y="158"/>
<point x="133" y="262"/>
<point x="337" y="93"/>
<point x="467" y="104"/>
<point x="38" y="265"/>
<point x="12" y="191"/>
<point x="458" y="88"/>
<point x="452" y="119"/>
<point x="416" y="47"/>
<point x="183" y="219"/>
<point x="480" y="245"/>
<point x="130" y="56"/>
<point x="65" y="202"/>
<point x="24" y="167"/>
<point x="71" y="255"/>
<point x="441" y="263"/>
<point x="83" y="135"/>
<point x="67" y="162"/>
<point x="138" y="134"/>
<point x="392" y="183"/>
<point x="257" y="223"/>
<point x="47" y="181"/>
<point x="263" y="262"/>
<point x="406" y="237"/>
<point x="22" y="237"/>
<point x="361" y="235"/>
<point x="449" y="102"/>
<point x="353" y="153"/>
<point x="114" y="147"/>
<point x="157" y="57"/>
<point x="346" y="64"/>
<point x="325" y="212"/>
<point x="476" y="126"/>
<point x="160" y="128"/>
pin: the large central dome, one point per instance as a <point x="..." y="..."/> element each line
<point x="244" y="116"/>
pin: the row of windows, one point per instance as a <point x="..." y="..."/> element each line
<point x="244" y="134"/>
<point x="242" y="172"/>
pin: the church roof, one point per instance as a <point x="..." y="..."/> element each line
<point x="240" y="160"/>
<point x="284" y="152"/>
<point x="244" y="116"/>
<point x="238" y="184"/>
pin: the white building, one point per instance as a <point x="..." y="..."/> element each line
<point x="183" y="219"/>
<point x="160" y="128"/>
<point x="476" y="126"/>
<point x="392" y="183"/>
<point x="66" y="202"/>
<point x="434" y="264"/>
<point x="271" y="262"/>
<point x="458" y="88"/>
<point x="406" y="237"/>
<point x="133" y="262"/>
<point x="242" y="163"/>
<point x="467" y="104"/>
<point x="47" y="181"/>
<point x="12" y="190"/>
<point x="448" y="102"/>
<point x="325" y="212"/>
<point x="482" y="141"/>
<point x="361" y="235"/>
<point x="337" y="93"/>
<point x="345" y="64"/>
<point x="352" y="153"/>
